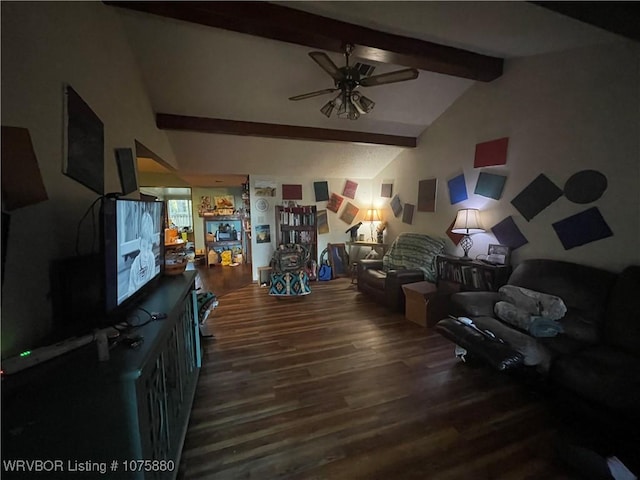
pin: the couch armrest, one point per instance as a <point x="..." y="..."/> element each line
<point x="402" y="276"/>
<point x="370" y="264"/>
<point x="473" y="304"/>
<point x="394" y="295"/>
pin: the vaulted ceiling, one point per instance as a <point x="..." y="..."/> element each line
<point x="219" y="75"/>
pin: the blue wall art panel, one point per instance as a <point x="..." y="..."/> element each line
<point x="582" y="228"/>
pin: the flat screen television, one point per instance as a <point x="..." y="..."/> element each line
<point x="133" y="235"/>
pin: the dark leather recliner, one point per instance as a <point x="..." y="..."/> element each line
<point x="583" y="289"/>
<point x="595" y="362"/>
<point x="410" y="258"/>
<point x="606" y="374"/>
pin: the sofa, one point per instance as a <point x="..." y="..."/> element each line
<point x="410" y="258"/>
<point x="594" y="361"/>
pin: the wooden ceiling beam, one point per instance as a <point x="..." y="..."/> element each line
<point x="166" y="121"/>
<point x="286" y="24"/>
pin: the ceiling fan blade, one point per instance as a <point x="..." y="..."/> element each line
<point x="391" y="77"/>
<point x="327" y="64"/>
<point x="314" y="94"/>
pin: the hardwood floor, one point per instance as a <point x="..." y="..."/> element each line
<point x="333" y="386"/>
<point x="223" y="280"/>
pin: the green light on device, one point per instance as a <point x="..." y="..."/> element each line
<point x="26" y="353"/>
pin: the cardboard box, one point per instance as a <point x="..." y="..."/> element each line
<point x="417" y="296"/>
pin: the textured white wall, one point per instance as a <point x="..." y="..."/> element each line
<point x="563" y="113"/>
<point x="44" y="46"/>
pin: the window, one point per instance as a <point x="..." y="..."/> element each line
<point x="180" y="213"/>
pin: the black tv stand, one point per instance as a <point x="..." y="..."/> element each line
<point x="135" y="406"/>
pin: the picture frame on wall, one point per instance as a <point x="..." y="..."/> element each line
<point x="498" y="254"/>
<point x="83" y="156"/>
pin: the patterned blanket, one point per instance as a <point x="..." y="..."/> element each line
<point x="414" y="251"/>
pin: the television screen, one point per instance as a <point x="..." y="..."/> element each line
<point x="133" y="247"/>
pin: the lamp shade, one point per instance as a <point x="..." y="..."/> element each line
<point x="328" y="108"/>
<point x="372" y="215"/>
<point x="362" y="103"/>
<point x="467" y="222"/>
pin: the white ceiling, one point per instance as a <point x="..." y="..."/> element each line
<point x="200" y="71"/>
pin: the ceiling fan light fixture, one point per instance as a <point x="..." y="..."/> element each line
<point x="348" y="110"/>
<point x="362" y="103"/>
<point x="349" y="103"/>
<point x="328" y="108"/>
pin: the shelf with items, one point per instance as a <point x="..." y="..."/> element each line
<point x="456" y="274"/>
<point x="224" y="233"/>
<point x="298" y="225"/>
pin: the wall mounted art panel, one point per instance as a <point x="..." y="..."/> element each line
<point x="84" y="143"/>
<point x="427" y="195"/>
<point x="263" y="233"/>
<point x="386" y="190"/>
<point x="335" y="202"/>
<point x="585" y="186"/>
<point x="536" y="196"/>
<point x="582" y="228"/>
<point x="264" y="188"/>
<point x="490" y="185"/>
<point x="22" y="183"/>
<point x="292" y="192"/>
<point x="349" y="213"/>
<point x="396" y="206"/>
<point x="323" y="224"/>
<point x="491" y="153"/>
<point x="126" y="170"/>
<point x="350" y="188"/>
<point x="508" y="233"/>
<point x="457" y="189"/>
<point x="407" y="213"/>
<point x="455" y="237"/>
<point x="321" y="190"/>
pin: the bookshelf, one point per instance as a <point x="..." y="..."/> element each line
<point x="298" y="225"/>
<point x="455" y="274"/>
<point x="224" y="233"/>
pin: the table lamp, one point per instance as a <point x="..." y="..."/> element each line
<point x="467" y="223"/>
<point x="372" y="216"/>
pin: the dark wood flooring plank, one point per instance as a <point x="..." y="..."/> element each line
<point x="334" y="386"/>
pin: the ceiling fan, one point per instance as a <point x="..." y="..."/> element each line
<point x="350" y="102"/>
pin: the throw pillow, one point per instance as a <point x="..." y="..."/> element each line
<point x="535" y="303"/>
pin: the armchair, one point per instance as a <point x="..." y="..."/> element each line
<point x="289" y="276"/>
<point x="410" y="259"/>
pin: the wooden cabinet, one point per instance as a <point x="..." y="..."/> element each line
<point x="135" y="406"/>
<point x="224" y="233"/>
<point x="455" y="274"/>
<point x="298" y="225"/>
